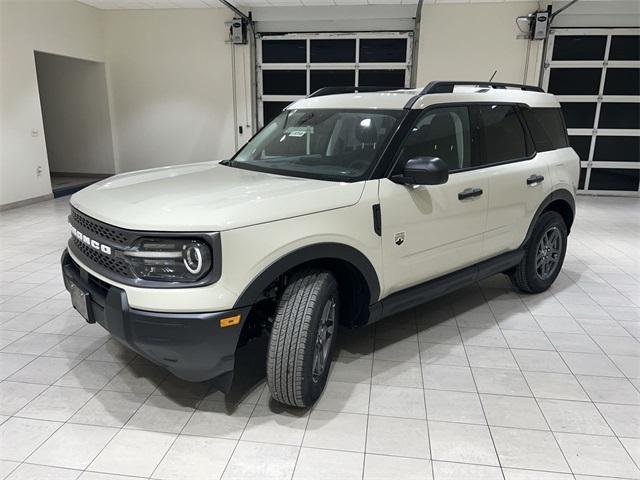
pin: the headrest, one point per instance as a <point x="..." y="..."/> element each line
<point x="442" y="125"/>
<point x="366" y="131"/>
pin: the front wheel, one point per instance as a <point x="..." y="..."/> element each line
<point x="302" y="338"/>
<point x="543" y="255"/>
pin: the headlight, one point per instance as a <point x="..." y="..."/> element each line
<point x="169" y="260"/>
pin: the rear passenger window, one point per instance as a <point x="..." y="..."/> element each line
<point x="547" y="128"/>
<point x="440" y="132"/>
<point x="502" y="134"/>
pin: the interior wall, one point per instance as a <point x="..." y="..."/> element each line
<point x="170" y="86"/>
<point x="469" y="41"/>
<point x="75" y="113"/>
<point x="62" y="27"/>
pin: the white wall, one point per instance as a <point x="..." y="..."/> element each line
<point x="170" y="86"/>
<point x="62" y="27"/>
<point x="75" y="112"/>
<point x="468" y="41"/>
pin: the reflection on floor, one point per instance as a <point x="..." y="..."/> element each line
<point x="486" y="383"/>
<point x="66" y="185"/>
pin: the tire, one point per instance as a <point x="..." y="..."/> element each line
<point x="536" y="272"/>
<point x="294" y="374"/>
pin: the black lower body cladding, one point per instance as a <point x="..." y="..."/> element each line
<point x="192" y="346"/>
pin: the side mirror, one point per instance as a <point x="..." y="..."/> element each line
<point x="423" y="171"/>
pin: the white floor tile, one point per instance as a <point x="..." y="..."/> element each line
<point x="398" y="437"/>
<point x="317" y="464"/>
<point x="133" y="452"/>
<point x="264" y="461"/>
<point x="463" y="443"/>
<point x="528" y="449"/>
<point x="596" y="455"/>
<point x="385" y="467"/>
<point x="195" y="457"/>
<point x="19" y="437"/>
<point x="73" y="446"/>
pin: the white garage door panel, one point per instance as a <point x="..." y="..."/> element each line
<point x="292" y="66"/>
<point x="595" y="73"/>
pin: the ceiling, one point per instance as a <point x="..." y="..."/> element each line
<point x="160" y="4"/>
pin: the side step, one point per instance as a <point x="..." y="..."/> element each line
<point x="425" y="292"/>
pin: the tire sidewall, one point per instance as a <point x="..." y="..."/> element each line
<point x="546" y="221"/>
<point x="311" y="390"/>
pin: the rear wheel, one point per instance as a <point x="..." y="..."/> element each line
<point x="302" y="338"/>
<point x="543" y="256"/>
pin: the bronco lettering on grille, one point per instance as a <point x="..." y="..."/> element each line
<point x="106" y="249"/>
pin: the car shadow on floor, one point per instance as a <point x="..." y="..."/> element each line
<point x="393" y="351"/>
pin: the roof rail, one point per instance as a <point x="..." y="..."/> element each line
<point x="334" y="90"/>
<point x="440" y="86"/>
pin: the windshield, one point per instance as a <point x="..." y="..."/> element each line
<point x="338" y="145"/>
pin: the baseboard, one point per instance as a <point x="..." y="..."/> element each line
<point x="24" y="203"/>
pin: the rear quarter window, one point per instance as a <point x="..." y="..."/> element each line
<point x="547" y="128"/>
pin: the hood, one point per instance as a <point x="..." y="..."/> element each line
<point x="208" y="197"/>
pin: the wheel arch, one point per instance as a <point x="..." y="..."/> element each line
<point x="560" y="201"/>
<point x="357" y="278"/>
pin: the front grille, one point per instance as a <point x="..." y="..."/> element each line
<point x="113" y="264"/>
<point x="101" y="230"/>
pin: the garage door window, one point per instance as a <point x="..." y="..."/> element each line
<point x="595" y="73"/>
<point x="293" y="66"/>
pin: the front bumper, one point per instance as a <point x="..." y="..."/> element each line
<point x="192" y="346"/>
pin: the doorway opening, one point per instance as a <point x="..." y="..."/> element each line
<point x="77" y="125"/>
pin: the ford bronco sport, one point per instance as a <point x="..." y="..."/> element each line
<point x="346" y="208"/>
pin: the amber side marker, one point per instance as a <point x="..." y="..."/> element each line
<point x="229" y="321"/>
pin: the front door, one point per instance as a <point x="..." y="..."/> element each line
<point x="431" y="230"/>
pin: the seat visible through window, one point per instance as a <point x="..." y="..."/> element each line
<point x="443" y="133"/>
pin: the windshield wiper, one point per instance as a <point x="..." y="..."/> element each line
<point x="226" y="163"/>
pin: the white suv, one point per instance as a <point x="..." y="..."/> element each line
<point x="345" y="209"/>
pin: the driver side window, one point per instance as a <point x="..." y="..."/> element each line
<point x="440" y="132"/>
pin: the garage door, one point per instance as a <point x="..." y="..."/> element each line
<point x="292" y="66"/>
<point x="596" y="75"/>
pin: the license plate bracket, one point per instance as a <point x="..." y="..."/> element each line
<point x="80" y="300"/>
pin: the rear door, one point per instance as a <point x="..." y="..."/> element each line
<point x="431" y="230"/>
<point x="518" y="177"/>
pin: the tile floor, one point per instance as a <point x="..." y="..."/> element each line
<point x="483" y="384"/>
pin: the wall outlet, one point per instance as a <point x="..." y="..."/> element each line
<point x="39" y="170"/>
<point x="34" y="132"/>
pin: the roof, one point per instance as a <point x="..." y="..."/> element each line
<point x="398" y="99"/>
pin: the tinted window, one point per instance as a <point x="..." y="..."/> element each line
<point x="617" y="149"/>
<point x="625" y="179"/>
<point x="582" y="146"/>
<point x="441" y="132"/>
<point x="271" y="110"/>
<point x="625" y="47"/>
<point x="579" y="47"/>
<point x="331" y="78"/>
<point x="579" y="114"/>
<point x="333" y="51"/>
<point x="284" y="51"/>
<point x="619" y="115"/>
<point x="284" y="82"/>
<point x="383" y="50"/>
<point x="546" y="127"/>
<point x="381" y="78"/>
<point x="502" y="134"/>
<point x="574" y="81"/>
<point x="622" y="81"/>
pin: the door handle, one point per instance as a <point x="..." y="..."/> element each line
<point x="535" y="179"/>
<point x="469" y="192"/>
